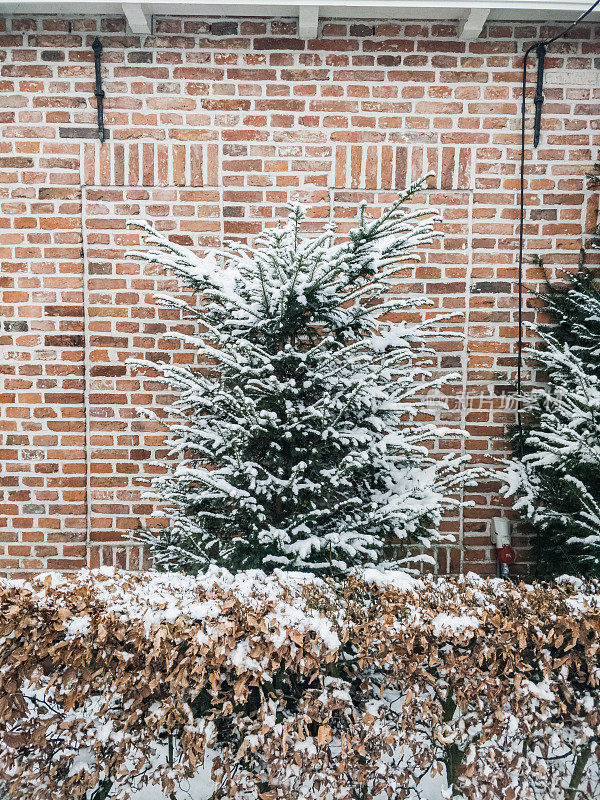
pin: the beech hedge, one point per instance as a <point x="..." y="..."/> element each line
<point x="288" y="686"/>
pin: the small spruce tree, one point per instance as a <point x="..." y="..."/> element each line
<point x="300" y="442"/>
<point x="555" y="474"/>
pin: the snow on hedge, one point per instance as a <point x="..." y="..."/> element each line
<point x="292" y="686"/>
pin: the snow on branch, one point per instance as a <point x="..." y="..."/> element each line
<point x="308" y="375"/>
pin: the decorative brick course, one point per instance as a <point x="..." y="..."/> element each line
<point x="212" y="126"/>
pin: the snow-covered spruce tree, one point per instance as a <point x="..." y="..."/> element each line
<point x="298" y="444"/>
<point x="555" y="475"/>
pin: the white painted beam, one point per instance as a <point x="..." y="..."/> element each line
<point x="137" y="19"/>
<point x="308" y="22"/>
<point x="440" y="10"/>
<point x="471" y="27"/>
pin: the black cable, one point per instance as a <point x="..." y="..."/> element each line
<point x="573" y="24"/>
<point x="538" y="100"/>
<point x="541" y="49"/>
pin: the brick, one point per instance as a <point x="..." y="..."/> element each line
<point x="362" y="30"/>
<point x="64" y="311"/>
<point x="16" y="325"/>
<point x="65" y="340"/>
<point x="224" y="28"/>
<point x="277" y="43"/>
<point x="80" y="132"/>
<point x="491" y="287"/>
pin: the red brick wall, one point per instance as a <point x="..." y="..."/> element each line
<point x="213" y="126"/>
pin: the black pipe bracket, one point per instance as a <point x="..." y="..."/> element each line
<point x="99" y="91"/>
